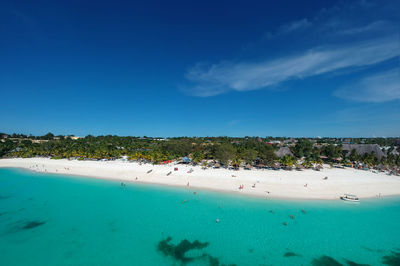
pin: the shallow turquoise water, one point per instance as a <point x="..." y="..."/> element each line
<point x="98" y="222"/>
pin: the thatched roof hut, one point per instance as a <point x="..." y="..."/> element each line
<point x="260" y="165"/>
<point x="283" y="151"/>
<point x="362" y="149"/>
<point x="248" y="166"/>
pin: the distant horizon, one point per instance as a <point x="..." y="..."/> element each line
<point x="199" y="136"/>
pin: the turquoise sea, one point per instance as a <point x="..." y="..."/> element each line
<point x="57" y="220"/>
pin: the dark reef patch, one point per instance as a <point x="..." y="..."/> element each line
<point x="372" y="250"/>
<point x="32" y="224"/>
<point x="325" y="261"/>
<point x="4" y="197"/>
<point x="393" y="259"/>
<point x="179" y="251"/>
<point x="23" y="225"/>
<point x="291" y="254"/>
<point x="352" y="263"/>
<point x="3" y="213"/>
<point x="215" y="262"/>
<point x="112" y="226"/>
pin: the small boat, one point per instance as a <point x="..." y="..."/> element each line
<point x="349" y="197"/>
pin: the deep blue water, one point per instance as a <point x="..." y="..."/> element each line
<point x="57" y="220"/>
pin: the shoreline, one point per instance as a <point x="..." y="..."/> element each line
<point x="268" y="184"/>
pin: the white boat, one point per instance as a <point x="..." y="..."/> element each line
<point x="349" y="197"/>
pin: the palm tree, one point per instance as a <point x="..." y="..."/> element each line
<point x="236" y="162"/>
<point x="288" y="161"/>
<point x="197" y="157"/>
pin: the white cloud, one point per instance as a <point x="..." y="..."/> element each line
<point x="233" y="122"/>
<point x="295" y="26"/>
<point x="374" y="27"/>
<point x="337" y="40"/>
<point x="380" y="87"/>
<point x="245" y="76"/>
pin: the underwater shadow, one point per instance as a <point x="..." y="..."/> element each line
<point x="393" y="259"/>
<point x="178" y="252"/>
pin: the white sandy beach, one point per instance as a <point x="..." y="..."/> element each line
<point x="268" y="183"/>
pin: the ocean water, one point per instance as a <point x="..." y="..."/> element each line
<point x="57" y="220"/>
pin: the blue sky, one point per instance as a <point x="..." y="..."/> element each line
<point x="200" y="68"/>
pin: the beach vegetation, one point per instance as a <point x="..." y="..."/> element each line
<point x="249" y="155"/>
<point x="207" y="151"/>
<point x="224" y="153"/>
